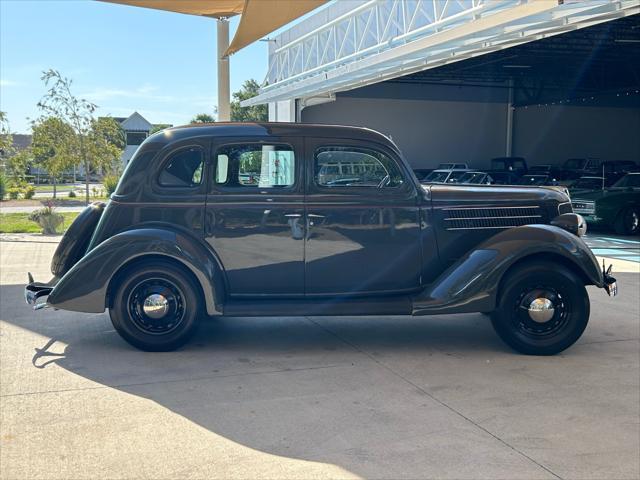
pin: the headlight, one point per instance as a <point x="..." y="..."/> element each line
<point x="571" y="222"/>
<point x="583" y="207"/>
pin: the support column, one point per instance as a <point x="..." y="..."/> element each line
<point x="224" y="88"/>
<point x="509" y="139"/>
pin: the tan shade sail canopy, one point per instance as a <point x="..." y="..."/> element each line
<point x="259" y="17"/>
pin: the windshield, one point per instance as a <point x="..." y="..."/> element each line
<point x="472" y="177"/>
<point x="455" y="177"/>
<point x="575" y="163"/>
<point x="437" y="177"/>
<point x="628" y="181"/>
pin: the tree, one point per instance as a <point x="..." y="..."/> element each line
<point x="106" y="140"/>
<point x="257" y="113"/>
<point x="6" y="139"/>
<point x="17" y="165"/>
<point x="60" y="102"/>
<point x="203" y="118"/>
<point x="54" y="147"/>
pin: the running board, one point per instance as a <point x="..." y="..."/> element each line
<point x="397" y="305"/>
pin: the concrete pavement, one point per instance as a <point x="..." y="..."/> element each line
<point x="310" y="397"/>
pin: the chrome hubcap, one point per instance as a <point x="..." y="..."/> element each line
<point x="155" y="306"/>
<point x="541" y="310"/>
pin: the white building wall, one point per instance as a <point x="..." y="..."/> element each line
<point x="283" y="111"/>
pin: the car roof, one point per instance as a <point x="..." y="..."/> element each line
<point x="276" y="129"/>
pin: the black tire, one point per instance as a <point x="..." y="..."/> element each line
<point x="628" y="222"/>
<point x="128" y="310"/>
<point x="516" y="326"/>
<point x="75" y="241"/>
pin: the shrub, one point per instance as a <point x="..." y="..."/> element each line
<point x="14" y="192"/>
<point x="47" y="218"/>
<point x="110" y="183"/>
<point x="29" y="191"/>
<point x="72" y="194"/>
<point x="3" y="186"/>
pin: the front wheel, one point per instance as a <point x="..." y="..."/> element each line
<point x="543" y="309"/>
<point x="155" y="306"/>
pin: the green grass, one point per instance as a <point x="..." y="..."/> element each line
<point x="20" y="223"/>
<point x="49" y="188"/>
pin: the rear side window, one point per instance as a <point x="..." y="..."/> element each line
<point x="183" y="169"/>
<point x="340" y="167"/>
<point x="255" y="165"/>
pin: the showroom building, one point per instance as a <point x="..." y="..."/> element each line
<point x="467" y="80"/>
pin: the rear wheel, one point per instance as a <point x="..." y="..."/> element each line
<point x="628" y="222"/>
<point x="543" y="309"/>
<point x="155" y="306"/>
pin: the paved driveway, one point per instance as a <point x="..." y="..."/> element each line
<point x="309" y="397"/>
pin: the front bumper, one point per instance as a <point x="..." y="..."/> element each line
<point x="35" y="290"/>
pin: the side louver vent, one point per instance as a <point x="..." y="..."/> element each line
<point x="491" y="218"/>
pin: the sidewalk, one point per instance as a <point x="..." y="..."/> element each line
<point x="31" y="208"/>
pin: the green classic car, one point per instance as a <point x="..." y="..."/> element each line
<point x="617" y="207"/>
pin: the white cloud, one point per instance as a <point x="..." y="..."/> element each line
<point x="8" y="83"/>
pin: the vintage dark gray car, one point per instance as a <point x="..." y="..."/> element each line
<point x="289" y="219"/>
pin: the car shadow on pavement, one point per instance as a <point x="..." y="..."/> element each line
<point x="307" y="388"/>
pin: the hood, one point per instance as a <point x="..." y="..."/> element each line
<point x="496" y="194"/>
<point x="597" y="194"/>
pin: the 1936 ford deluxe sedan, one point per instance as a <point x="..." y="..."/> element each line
<point x="292" y="219"/>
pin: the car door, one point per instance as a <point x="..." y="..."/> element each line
<point x="363" y="233"/>
<point x="255" y="214"/>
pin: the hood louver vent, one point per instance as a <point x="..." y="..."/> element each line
<point x="491" y="218"/>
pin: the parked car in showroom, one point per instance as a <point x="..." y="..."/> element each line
<point x="504" y="178"/>
<point x="183" y="238"/>
<point x="443" y="176"/>
<point x="617" y="207"/>
<point x="516" y="165"/>
<point x="475" y="178"/>
<point x="574" y="168"/>
<point x="529" y="179"/>
<point x="588" y="183"/>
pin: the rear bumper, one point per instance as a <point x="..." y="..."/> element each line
<point x="35" y="290"/>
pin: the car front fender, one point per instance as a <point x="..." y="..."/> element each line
<point x="471" y="284"/>
<point x="84" y="288"/>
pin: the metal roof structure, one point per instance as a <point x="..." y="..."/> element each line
<point x="600" y="60"/>
<point x="381" y="40"/>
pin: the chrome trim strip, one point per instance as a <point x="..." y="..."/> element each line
<point x="488" y="208"/>
<point x="493" y="218"/>
<point x="484" y="228"/>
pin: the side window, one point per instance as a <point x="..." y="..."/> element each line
<point x="355" y="167"/>
<point x="255" y="165"/>
<point x="183" y="169"/>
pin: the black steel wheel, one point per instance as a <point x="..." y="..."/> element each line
<point x="155" y="305"/>
<point x="628" y="222"/>
<point x="543" y="308"/>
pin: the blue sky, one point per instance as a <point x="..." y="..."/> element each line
<point x="122" y="58"/>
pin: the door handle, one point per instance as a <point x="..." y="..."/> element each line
<point x="313" y="215"/>
<point x="293" y="215"/>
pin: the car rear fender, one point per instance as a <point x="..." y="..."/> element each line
<point x="84" y="288"/>
<point x="471" y="284"/>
